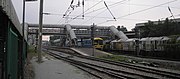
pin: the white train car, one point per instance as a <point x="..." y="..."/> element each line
<point x="129" y="45"/>
<point x="145" y="44"/>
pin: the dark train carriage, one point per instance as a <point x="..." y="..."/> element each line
<point x="12" y="55"/>
<point x="87" y="43"/>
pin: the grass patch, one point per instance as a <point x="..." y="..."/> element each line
<point x="114" y="58"/>
<point x="31" y="52"/>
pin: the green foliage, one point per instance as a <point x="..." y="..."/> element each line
<point x="31" y="49"/>
<point x="160" y="28"/>
<point x="122" y="28"/>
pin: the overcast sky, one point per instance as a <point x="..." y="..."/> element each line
<point x="127" y="12"/>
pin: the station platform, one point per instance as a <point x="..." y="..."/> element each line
<point x="52" y="68"/>
<point x="89" y="52"/>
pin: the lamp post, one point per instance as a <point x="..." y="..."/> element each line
<point x="92" y="38"/>
<point x="23" y="25"/>
<point x="23" y="20"/>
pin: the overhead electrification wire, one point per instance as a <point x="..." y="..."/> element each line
<point x="141" y="10"/>
<point x="109" y="11"/>
<point x="93" y="17"/>
<point x="171" y="12"/>
<point x="173" y="18"/>
<point x="102" y="11"/>
<point x="150" y="5"/>
<point x="86" y="10"/>
<point x="114" y="4"/>
<point x="71" y="9"/>
<point x="68" y="8"/>
<point x="83" y="8"/>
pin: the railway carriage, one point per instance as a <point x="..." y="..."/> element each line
<point x="129" y="45"/>
<point x="98" y="43"/>
<point x="149" y="46"/>
<point x="87" y="43"/>
<point x="116" y="45"/>
<point x="145" y="44"/>
<point x="164" y="41"/>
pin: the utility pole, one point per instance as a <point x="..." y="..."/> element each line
<point x="23" y="25"/>
<point x="92" y="37"/>
<point x="138" y="42"/>
<point x="23" y="40"/>
<point x="40" y="31"/>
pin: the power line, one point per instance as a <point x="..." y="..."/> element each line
<point x="147" y="9"/>
<point x="150" y="5"/>
<point x="109" y="10"/>
<point x="114" y="4"/>
<point x="71" y="9"/>
<point x="87" y="10"/>
<point x="103" y="11"/>
<point x="94" y="16"/>
<point x="141" y="10"/>
<point x="171" y="12"/>
<point x="108" y="5"/>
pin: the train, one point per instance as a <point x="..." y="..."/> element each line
<point x="149" y="46"/>
<point x="98" y="43"/>
<point x="87" y="43"/>
<point x="13" y="44"/>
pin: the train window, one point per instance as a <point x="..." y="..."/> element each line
<point x="144" y="46"/>
<point x="95" y="42"/>
<point x="155" y="45"/>
<point x="100" y="42"/>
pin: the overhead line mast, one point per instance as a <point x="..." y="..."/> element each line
<point x="83" y="8"/>
<point x="72" y="8"/>
<point x="109" y="11"/>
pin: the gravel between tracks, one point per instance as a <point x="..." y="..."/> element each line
<point x="111" y="66"/>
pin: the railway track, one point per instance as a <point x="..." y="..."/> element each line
<point x="112" y="68"/>
<point x="100" y="69"/>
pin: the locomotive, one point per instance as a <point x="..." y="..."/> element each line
<point x="149" y="46"/>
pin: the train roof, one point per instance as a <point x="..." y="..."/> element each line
<point x="156" y="38"/>
<point x="57" y="40"/>
<point x="165" y="38"/>
<point x="145" y="39"/>
<point x="178" y="39"/>
<point x="98" y="38"/>
<point x="115" y="41"/>
<point x="130" y="40"/>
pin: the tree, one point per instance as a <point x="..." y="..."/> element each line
<point x="161" y="28"/>
<point x="122" y="28"/>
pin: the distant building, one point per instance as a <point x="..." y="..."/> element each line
<point x="156" y="22"/>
